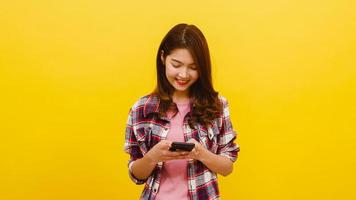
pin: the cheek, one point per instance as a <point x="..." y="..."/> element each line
<point x="170" y="74"/>
<point x="195" y="75"/>
<point x="170" y="71"/>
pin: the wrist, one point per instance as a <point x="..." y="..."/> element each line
<point x="203" y="155"/>
<point x="149" y="160"/>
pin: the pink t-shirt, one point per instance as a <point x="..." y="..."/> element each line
<point x="174" y="177"/>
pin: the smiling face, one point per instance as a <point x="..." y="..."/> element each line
<point x="181" y="71"/>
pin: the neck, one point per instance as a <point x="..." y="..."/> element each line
<point x="180" y="97"/>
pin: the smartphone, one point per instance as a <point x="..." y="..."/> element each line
<point x="181" y="146"/>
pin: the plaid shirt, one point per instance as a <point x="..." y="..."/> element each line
<point x="145" y="129"/>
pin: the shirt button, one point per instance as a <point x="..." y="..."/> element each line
<point x="155" y="190"/>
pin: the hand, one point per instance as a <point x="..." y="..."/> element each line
<point x="160" y="152"/>
<point x="198" y="152"/>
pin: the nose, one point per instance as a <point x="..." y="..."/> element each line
<point x="183" y="73"/>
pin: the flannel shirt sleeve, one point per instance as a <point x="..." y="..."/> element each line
<point x="132" y="147"/>
<point x="226" y="139"/>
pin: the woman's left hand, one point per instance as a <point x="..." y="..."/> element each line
<point x="216" y="163"/>
<point x="198" y="152"/>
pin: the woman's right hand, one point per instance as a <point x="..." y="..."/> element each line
<point x="160" y="153"/>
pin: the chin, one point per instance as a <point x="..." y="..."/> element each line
<point x="181" y="90"/>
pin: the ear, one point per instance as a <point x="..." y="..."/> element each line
<point x="162" y="57"/>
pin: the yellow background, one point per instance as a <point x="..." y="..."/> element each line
<point x="70" y="70"/>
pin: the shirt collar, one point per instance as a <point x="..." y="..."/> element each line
<point x="151" y="105"/>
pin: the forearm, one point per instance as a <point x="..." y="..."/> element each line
<point x="219" y="164"/>
<point x="142" y="168"/>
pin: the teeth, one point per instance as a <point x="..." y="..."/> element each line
<point x="182" y="81"/>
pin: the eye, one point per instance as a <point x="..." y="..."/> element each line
<point x="175" y="65"/>
<point x="193" y="68"/>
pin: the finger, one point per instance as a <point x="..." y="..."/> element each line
<point x="184" y="152"/>
<point x="175" y="153"/>
<point x="194" y="152"/>
<point x="175" y="157"/>
<point x="168" y="142"/>
<point x="165" y="144"/>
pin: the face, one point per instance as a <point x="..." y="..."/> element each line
<point x="181" y="71"/>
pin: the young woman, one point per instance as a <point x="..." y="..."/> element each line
<point x="184" y="107"/>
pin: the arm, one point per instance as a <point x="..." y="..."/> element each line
<point x="219" y="164"/>
<point x="132" y="148"/>
<point x="142" y="165"/>
<point x="142" y="168"/>
<point x="216" y="163"/>
<point x="222" y="161"/>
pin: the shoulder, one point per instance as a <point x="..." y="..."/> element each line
<point x="145" y="105"/>
<point x="140" y="102"/>
<point x="223" y="101"/>
<point x="224" y="106"/>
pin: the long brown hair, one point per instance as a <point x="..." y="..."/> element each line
<point x="205" y="105"/>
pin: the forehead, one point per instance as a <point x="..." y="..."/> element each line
<point x="181" y="55"/>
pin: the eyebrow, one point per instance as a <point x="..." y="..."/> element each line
<point x="181" y="62"/>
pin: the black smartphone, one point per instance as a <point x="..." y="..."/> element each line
<point x="181" y="146"/>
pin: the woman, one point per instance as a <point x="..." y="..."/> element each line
<point x="184" y="107"/>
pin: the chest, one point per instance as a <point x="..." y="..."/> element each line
<point x="151" y="131"/>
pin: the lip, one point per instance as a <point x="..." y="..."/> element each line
<point x="182" y="83"/>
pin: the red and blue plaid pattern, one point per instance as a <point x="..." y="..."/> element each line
<point x="145" y="129"/>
